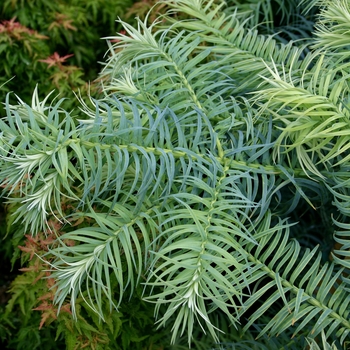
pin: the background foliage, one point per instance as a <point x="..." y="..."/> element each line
<point x="56" y="44"/>
<point x="206" y="184"/>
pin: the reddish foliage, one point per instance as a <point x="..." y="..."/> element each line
<point x="16" y="30"/>
<point x="56" y="60"/>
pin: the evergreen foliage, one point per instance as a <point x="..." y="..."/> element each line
<point x="181" y="187"/>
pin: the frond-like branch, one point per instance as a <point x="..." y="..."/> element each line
<point x="105" y="256"/>
<point x="241" y="50"/>
<point x="195" y="262"/>
<point x="310" y="294"/>
<point x="314" y="119"/>
<point x="179" y="71"/>
<point x="332" y="29"/>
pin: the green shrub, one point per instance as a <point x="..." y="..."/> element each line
<point x="180" y="189"/>
<point x="35" y="32"/>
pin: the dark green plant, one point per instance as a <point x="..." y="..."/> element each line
<point x="182" y="178"/>
<point x="20" y="50"/>
<point x="74" y="26"/>
<point x="32" y="32"/>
